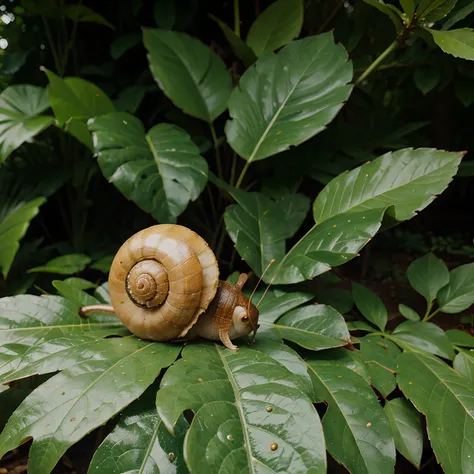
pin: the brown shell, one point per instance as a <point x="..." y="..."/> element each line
<point x="188" y="272"/>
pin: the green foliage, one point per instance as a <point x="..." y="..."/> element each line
<point x="234" y="132"/>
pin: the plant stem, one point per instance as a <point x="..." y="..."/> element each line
<point x="232" y="169"/>
<point x="393" y="46"/>
<point x="434" y="313"/>
<point x="428" y="309"/>
<point x="57" y="62"/>
<point x="242" y="174"/>
<point x="236" y="18"/>
<point x="218" y="153"/>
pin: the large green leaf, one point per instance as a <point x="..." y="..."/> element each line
<point x="20" y="119"/>
<point x="13" y="227"/>
<point x="278" y="302"/>
<point x="286" y="98"/>
<point x="27" y="318"/>
<point x="460" y="338"/>
<point x="427" y="275"/>
<point x="458" y="294"/>
<point x="370" y="305"/>
<point x="357" y="432"/>
<point x="423" y="336"/>
<point x="343" y="234"/>
<point x="408" y="179"/>
<point x="406" y="427"/>
<point x="161" y="171"/>
<point x="253" y="409"/>
<point x="64" y="265"/>
<point x="459" y="43"/>
<point x="447" y="401"/>
<point x="71" y="404"/>
<point x="140" y="443"/>
<point x="464" y="364"/>
<point x="74" y="100"/>
<point x="380" y="355"/>
<point x="276" y="26"/>
<point x="314" y="327"/>
<point x="189" y="73"/>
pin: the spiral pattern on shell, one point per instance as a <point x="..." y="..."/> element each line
<point x="161" y="280"/>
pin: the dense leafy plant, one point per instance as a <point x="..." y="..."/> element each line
<point x="227" y="157"/>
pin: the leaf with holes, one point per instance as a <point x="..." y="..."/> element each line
<point x="406" y="179"/>
<point x="188" y="72"/>
<point x="357" y="432"/>
<point x="286" y="98"/>
<point x="161" y="171"/>
<point x="447" y="401"/>
<point x="70" y="404"/>
<point x="140" y="442"/>
<point x="276" y="26"/>
<point x="21" y="107"/>
<point x="250" y="407"/>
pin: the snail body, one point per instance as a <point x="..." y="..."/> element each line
<point x="164" y="286"/>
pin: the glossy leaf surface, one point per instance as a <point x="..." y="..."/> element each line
<point x="64" y="265"/>
<point x="21" y="107"/>
<point x="258" y="397"/>
<point x="460" y="338"/>
<point x="408" y="312"/>
<point x="406" y="428"/>
<point x="286" y="98"/>
<point x="459" y="43"/>
<point x="276" y="26"/>
<point x="424" y="336"/>
<point x="278" y="302"/>
<point x="13" y="227"/>
<point x="140" y="443"/>
<point x="458" y="294"/>
<point x="314" y="327"/>
<point x="427" y="275"/>
<point x="71" y="404"/>
<point x="343" y="234"/>
<point x="357" y="432"/>
<point x="380" y="356"/>
<point x="189" y="73"/>
<point x="408" y="179"/>
<point x="447" y="401"/>
<point x="370" y="305"/>
<point x="463" y="364"/>
<point x="161" y="171"/>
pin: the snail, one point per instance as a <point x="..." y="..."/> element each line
<point x="164" y="286"/>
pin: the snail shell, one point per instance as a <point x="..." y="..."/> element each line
<point x="161" y="280"/>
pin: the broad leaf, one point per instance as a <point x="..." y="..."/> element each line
<point x="459" y="43"/>
<point x="343" y="234"/>
<point x="446" y="400"/>
<point x="74" y="100"/>
<point x="13" y="227"/>
<point x="426" y="79"/>
<point x="286" y="98"/>
<point x="438" y="10"/>
<point x="161" y="171"/>
<point x="357" y="433"/>
<point x="278" y="302"/>
<point x="71" y="404"/>
<point x="314" y="327"/>
<point x="28" y="318"/>
<point x="189" y="73"/>
<point x="241" y="50"/>
<point x="85" y="14"/>
<point x="458" y="294"/>
<point x="423" y="336"/>
<point x="64" y="265"/>
<point x="460" y="338"/>
<point x="380" y="355"/>
<point x="370" y="305"/>
<point x="20" y="119"/>
<point x="464" y="364"/>
<point x="408" y="7"/>
<point x="251" y="406"/>
<point x="408" y="312"/>
<point x="276" y="26"/>
<point x="344" y="357"/>
<point x="458" y="15"/>
<point x="427" y="275"/>
<point x="80" y="283"/>
<point x="140" y="443"/>
<point x="408" y="179"/>
<point x="406" y="428"/>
